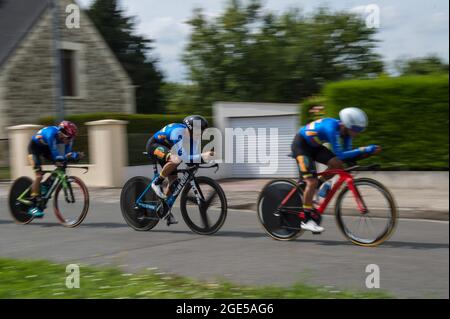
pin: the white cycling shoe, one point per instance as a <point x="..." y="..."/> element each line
<point x="158" y="189"/>
<point x="312" y="226"/>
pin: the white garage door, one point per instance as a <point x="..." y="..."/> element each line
<point x="276" y="148"/>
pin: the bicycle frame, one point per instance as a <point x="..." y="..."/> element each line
<point x="187" y="177"/>
<point x="344" y="177"/>
<point x="60" y="177"/>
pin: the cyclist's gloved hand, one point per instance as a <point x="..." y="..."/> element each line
<point x="60" y="161"/>
<point x="371" y="149"/>
<point x="208" y="157"/>
<point x="73" y="156"/>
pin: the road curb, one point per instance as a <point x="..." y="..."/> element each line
<point x="406" y="213"/>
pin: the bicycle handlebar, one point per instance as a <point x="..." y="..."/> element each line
<point x="86" y="168"/>
<point x="64" y="166"/>
<point x="196" y="166"/>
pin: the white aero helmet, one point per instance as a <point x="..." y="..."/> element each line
<point x="354" y="119"/>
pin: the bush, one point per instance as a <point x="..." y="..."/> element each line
<point x="306" y="116"/>
<point x="408" y="117"/>
<point x="138" y="123"/>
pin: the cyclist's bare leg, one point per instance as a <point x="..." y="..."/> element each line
<point x="310" y="190"/>
<point x="172" y="163"/>
<point x="171" y="179"/>
<point x="35" y="187"/>
<point x="334" y="163"/>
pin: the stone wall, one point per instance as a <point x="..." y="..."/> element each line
<point x="27" y="84"/>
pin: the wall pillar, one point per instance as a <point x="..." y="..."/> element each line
<point x="19" y="138"/>
<point x="108" y="151"/>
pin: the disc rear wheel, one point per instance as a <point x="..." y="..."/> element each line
<point x="18" y="210"/>
<point x="138" y="218"/>
<point x="281" y="222"/>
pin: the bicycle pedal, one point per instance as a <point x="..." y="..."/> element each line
<point x="172" y="222"/>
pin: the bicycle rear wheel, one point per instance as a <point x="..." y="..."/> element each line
<point x="71" y="204"/>
<point x="19" y="211"/>
<point x="208" y="217"/>
<point x="373" y="227"/>
<point x="138" y="218"/>
<point x="280" y="225"/>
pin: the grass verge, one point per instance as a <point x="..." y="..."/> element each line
<point x="43" y="279"/>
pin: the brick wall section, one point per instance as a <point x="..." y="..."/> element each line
<point x="27" y="77"/>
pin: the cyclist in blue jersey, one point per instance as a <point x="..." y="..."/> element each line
<point x="308" y="148"/>
<point x="44" y="144"/>
<point x="172" y="145"/>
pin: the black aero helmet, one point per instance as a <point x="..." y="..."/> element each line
<point x="197" y="119"/>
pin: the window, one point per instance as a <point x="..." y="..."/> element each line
<point x="68" y="69"/>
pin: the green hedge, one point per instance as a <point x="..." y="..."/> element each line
<point x="138" y="123"/>
<point x="305" y="115"/>
<point x="408" y="117"/>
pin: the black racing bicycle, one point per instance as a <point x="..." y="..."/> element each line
<point x="203" y="203"/>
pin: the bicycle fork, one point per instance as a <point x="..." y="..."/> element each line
<point x="358" y="198"/>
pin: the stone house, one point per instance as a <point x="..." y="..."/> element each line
<point x="94" y="80"/>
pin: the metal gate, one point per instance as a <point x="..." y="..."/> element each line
<point x="287" y="128"/>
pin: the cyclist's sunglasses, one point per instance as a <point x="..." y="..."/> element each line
<point x="64" y="135"/>
<point x="357" y="129"/>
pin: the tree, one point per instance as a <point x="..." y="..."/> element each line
<point x="182" y="98"/>
<point x="421" y="66"/>
<point x="132" y="50"/>
<point x="247" y="54"/>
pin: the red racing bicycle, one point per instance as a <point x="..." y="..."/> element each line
<point x="365" y="210"/>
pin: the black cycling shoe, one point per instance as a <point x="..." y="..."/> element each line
<point x="171" y="220"/>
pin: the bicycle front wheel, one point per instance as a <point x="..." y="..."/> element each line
<point x="207" y="217"/>
<point x="71" y="203"/>
<point x="377" y="224"/>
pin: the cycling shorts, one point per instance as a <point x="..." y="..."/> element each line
<point x="307" y="156"/>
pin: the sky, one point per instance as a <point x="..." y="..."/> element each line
<point x="408" y="28"/>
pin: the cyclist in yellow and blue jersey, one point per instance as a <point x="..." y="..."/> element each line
<point x="45" y="144"/>
<point x="308" y="148"/>
<point x="168" y="147"/>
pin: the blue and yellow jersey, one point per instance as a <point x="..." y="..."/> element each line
<point x="48" y="136"/>
<point x="327" y="130"/>
<point x="172" y="136"/>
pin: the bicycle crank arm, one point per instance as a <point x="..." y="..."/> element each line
<point x="25" y="202"/>
<point x="148" y="218"/>
<point x="291" y="228"/>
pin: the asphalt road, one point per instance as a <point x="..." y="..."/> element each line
<point x="414" y="263"/>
